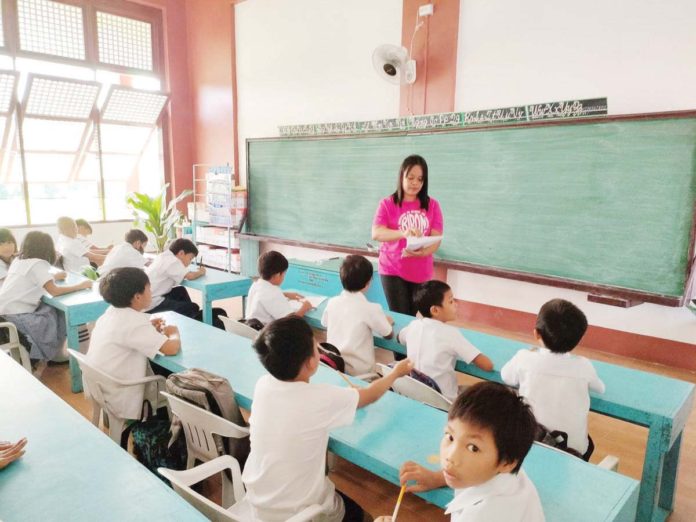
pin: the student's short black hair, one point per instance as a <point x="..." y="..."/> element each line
<point x="284" y="345"/>
<point x="6" y="236"/>
<point x="84" y="223"/>
<point x="356" y="273"/>
<point x="561" y="325"/>
<point x="496" y="407"/>
<point x="38" y="245"/>
<point x="120" y="285"/>
<point x="135" y="234"/>
<point x="430" y="293"/>
<point x="272" y="263"/>
<point x="185" y="245"/>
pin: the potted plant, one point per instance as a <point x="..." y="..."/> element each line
<point x="154" y="215"/>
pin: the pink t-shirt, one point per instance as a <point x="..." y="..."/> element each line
<point x="408" y="215"/>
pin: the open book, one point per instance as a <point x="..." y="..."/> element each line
<point x="416" y="243"/>
<point x="315" y="301"/>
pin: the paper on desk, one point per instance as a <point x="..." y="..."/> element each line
<point x="416" y="243"/>
<point x="315" y="301"/>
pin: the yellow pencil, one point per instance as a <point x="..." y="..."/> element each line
<point x="343" y="375"/>
<point x="398" y="502"/>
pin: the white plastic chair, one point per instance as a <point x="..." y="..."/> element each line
<point x="239" y="511"/>
<point x="199" y="426"/>
<point x="14" y="348"/>
<point x="96" y="383"/>
<point x="410" y="387"/>
<point x="610" y="462"/>
<point x="238" y="328"/>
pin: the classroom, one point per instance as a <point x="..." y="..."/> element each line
<point x="221" y="221"/>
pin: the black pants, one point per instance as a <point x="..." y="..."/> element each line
<point x="354" y="513"/>
<point x="179" y="301"/>
<point x="399" y="293"/>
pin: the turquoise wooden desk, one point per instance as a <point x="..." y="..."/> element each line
<point x="396" y="429"/>
<point x="660" y="403"/>
<point x="322" y="277"/>
<point x="71" y="470"/>
<point x="79" y="308"/>
<point x="218" y="284"/>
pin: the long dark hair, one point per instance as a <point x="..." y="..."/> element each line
<point x="406" y="166"/>
<point x="38" y="245"/>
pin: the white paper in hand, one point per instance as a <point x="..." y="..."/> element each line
<point x="416" y="243"/>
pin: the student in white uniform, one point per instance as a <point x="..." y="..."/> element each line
<point x="28" y="278"/>
<point x="557" y="383"/>
<point x="127" y="254"/>
<point x="76" y="256"/>
<point x="350" y="319"/>
<point x="290" y="423"/>
<point x="84" y="233"/>
<point x="8" y="250"/>
<point x="435" y="346"/>
<point x="266" y="301"/>
<point x="167" y="272"/>
<point x="488" y="434"/>
<point x="125" y="338"/>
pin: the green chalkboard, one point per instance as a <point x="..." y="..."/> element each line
<point x="605" y="203"/>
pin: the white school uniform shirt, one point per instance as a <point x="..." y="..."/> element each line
<point x="504" y="498"/>
<point x="73" y="251"/>
<point x="434" y="348"/>
<point x="165" y="272"/>
<point x="122" y="256"/>
<point x="285" y="470"/>
<point x="557" y="387"/>
<point x="4" y="267"/>
<point x="266" y="302"/>
<point x="120" y="345"/>
<point x="24" y="286"/>
<point x="350" y="320"/>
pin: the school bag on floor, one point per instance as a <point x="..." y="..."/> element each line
<point x="214" y="394"/>
<point x="153" y="445"/>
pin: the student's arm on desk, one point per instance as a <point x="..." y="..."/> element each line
<point x="483" y="362"/>
<point x="97" y="259"/>
<point x="380" y="386"/>
<point x="173" y="344"/>
<point x="190" y="276"/>
<point x="56" y="290"/>
<point x="424" y="479"/>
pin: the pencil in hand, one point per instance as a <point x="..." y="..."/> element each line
<point x="398" y="503"/>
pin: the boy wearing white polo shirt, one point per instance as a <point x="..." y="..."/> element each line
<point x="127" y="254"/>
<point x="124" y="338"/>
<point x="434" y="346"/>
<point x="166" y="274"/>
<point x="290" y="422"/>
<point x="488" y="434"/>
<point x="556" y="383"/>
<point x="266" y="301"/>
<point x="350" y="319"/>
<point x="76" y="255"/>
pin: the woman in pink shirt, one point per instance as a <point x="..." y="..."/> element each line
<point x="407" y="212"/>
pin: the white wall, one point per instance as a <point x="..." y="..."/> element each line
<point x="640" y="54"/>
<point x="310" y="61"/>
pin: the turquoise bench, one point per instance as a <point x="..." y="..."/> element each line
<point x="396" y="429"/>
<point x="71" y="470"/>
<point x="647" y="399"/>
<point x="87" y="306"/>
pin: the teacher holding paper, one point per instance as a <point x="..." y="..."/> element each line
<point x="408" y="212"/>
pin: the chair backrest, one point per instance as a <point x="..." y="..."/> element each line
<point x="97" y="384"/>
<point x="416" y="390"/>
<point x="14" y="347"/>
<point x="238" y="328"/>
<point x="200" y="425"/>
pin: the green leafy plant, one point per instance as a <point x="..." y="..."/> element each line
<point x="154" y="215"/>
